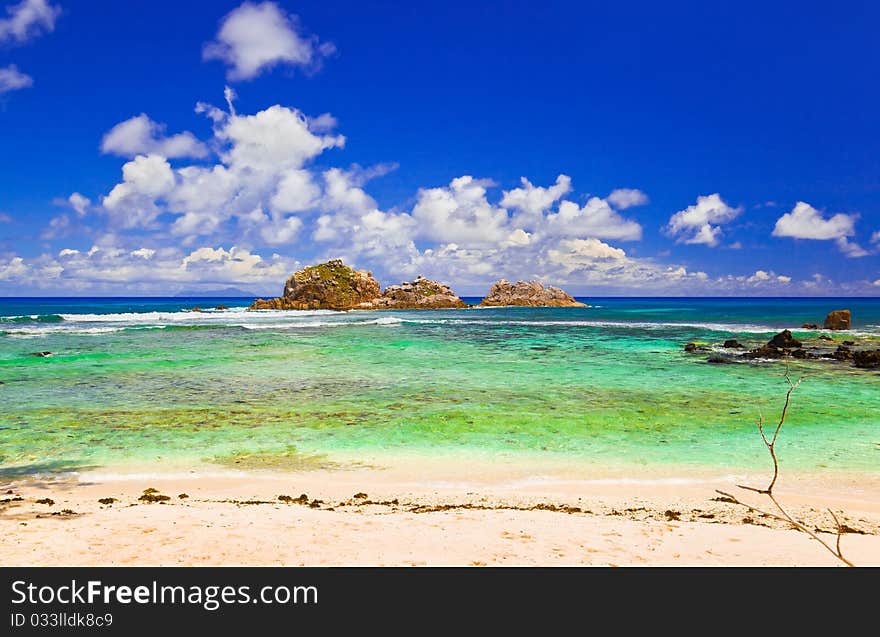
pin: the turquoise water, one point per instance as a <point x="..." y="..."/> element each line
<point x="140" y="380"/>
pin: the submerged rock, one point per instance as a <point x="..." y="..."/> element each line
<point x="867" y="359"/>
<point x="785" y="340"/>
<point x="419" y="294"/>
<point x="528" y="293"/>
<point x="42" y="354"/>
<point x="694" y="347"/>
<point x="838" y="320"/>
<point x="732" y="343"/>
<point x="326" y="286"/>
<point x="811" y="326"/>
<point x="779" y="346"/>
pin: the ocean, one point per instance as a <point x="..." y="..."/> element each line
<point x="142" y="382"/>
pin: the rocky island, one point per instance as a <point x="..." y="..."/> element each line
<point x="528" y="293"/>
<point x="336" y="286"/>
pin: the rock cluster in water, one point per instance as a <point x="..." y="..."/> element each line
<point x="785" y="345"/>
<point x="528" y="293"/>
<point x="336" y="286"/>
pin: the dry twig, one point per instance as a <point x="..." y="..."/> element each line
<point x="782" y="514"/>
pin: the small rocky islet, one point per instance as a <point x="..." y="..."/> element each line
<point x="784" y="345"/>
<point x="335" y="286"/>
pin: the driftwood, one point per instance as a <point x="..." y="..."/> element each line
<point x="782" y="514"/>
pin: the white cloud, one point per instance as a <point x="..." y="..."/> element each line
<point x="79" y="203"/>
<point x="805" y="222"/>
<point x="256" y="37"/>
<point x="875" y="238"/>
<point x="624" y="198"/>
<point x="530" y="202"/>
<point x="460" y="213"/>
<point x="132" y="203"/>
<point x="13" y="268"/>
<point x="701" y="222"/>
<point x="595" y="219"/>
<point x="142" y="136"/>
<point x="11" y="79"/>
<point x="851" y="249"/>
<point x="144" y="253"/>
<point x="111" y="268"/>
<point x="27" y="20"/>
<point x="275" y="138"/>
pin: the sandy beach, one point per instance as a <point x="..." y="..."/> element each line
<point x="403" y="516"/>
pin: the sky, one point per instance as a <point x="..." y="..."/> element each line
<point x="627" y="148"/>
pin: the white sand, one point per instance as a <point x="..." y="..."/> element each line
<point x="442" y="517"/>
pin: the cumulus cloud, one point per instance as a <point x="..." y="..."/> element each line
<point x="11" y="79"/>
<point x="594" y="219"/>
<point x="142" y="136"/>
<point x="701" y="222"/>
<point x="806" y="222"/>
<point x="460" y="213"/>
<point x="761" y="277"/>
<point x="27" y="20"/>
<point x="256" y="37"/>
<point x="624" y="198"/>
<point x="132" y="203"/>
<point x="530" y="202"/>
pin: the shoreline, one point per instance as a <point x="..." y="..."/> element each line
<point x="394" y="516"/>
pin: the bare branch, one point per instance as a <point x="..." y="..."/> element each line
<point x="783" y="515"/>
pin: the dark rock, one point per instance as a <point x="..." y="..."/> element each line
<point x="784" y="340"/>
<point x="811" y="326"/>
<point x="825" y="337"/>
<point x="779" y="346"/>
<point x="800" y="353"/>
<point x="733" y="344"/>
<point x="718" y="360"/>
<point x="842" y="353"/>
<point x="528" y="293"/>
<point x="42" y="354"/>
<point x="107" y="500"/>
<point x="693" y="347"/>
<point x="849" y="343"/>
<point x="221" y="307"/>
<point x="48" y="501"/>
<point x="838" y="320"/>
<point x="867" y="359"/>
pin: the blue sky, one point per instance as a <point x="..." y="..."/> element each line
<point x="676" y="149"/>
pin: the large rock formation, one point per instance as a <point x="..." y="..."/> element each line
<point x="838" y="320"/>
<point x="528" y="293"/>
<point x="420" y="294"/>
<point x="327" y="286"/>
